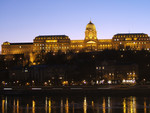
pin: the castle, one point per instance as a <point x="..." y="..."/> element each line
<point x="54" y="43"/>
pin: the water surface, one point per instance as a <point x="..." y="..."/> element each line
<point x="75" y="104"/>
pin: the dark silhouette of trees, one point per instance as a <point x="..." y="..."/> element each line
<point x="82" y="65"/>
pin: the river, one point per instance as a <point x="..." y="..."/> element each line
<point x="75" y="104"/>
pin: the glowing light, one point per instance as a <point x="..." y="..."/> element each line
<point x="91" y="42"/>
<point x="49" y="105"/>
<point x="97" y="82"/>
<point x="104" y="105"/>
<point x="45" y="83"/>
<point x="145" y="105"/>
<point x="3" y="106"/>
<point x="33" y="106"/>
<point x="101" y="81"/>
<point x="129" y="81"/>
<point x="65" y="83"/>
<point x="51" y="41"/>
<point x="27" y="84"/>
<point x="27" y="108"/>
<point x="85" y="105"/>
<point x="124" y="105"/>
<point x="67" y="106"/>
<point x="92" y="104"/>
<point x="17" y="105"/>
<point x="109" y="105"/>
<point x="132" y="105"/>
<point x="128" y="39"/>
<point x="84" y="82"/>
<point x="109" y="82"/>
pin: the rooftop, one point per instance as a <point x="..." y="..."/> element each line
<point x="130" y="34"/>
<point x="52" y="36"/>
<point x="21" y="43"/>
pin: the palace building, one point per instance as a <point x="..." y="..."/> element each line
<point x="51" y="43"/>
<point x="54" y="43"/>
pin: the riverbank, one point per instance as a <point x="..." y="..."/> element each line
<point x="77" y="90"/>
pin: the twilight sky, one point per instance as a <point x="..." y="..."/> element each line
<point x="23" y="20"/>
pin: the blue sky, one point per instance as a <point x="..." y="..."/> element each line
<point x="23" y="20"/>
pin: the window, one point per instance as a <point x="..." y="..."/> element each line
<point x="26" y="70"/>
<point x="128" y="39"/>
<point x="60" y="77"/>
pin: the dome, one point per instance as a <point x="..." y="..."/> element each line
<point x="6" y="43"/>
<point x="90" y="26"/>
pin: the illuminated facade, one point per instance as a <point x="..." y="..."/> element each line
<point x="54" y="43"/>
<point x="91" y="42"/>
<point x="133" y="41"/>
<point x="17" y="48"/>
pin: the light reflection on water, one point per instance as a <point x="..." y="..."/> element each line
<point x="85" y="105"/>
<point x="47" y="104"/>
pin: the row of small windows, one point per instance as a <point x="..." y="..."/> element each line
<point x="106" y="45"/>
<point x="132" y="39"/>
<point x="135" y="42"/>
<point x="49" y="44"/>
<point x="98" y="45"/>
<point x="121" y="36"/>
<point x="99" y="68"/>
<point x="76" y="45"/>
<point x="54" y="47"/>
<point x="131" y="73"/>
<point x="39" y="44"/>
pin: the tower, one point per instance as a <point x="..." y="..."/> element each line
<point x="90" y="37"/>
<point x="90" y="32"/>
